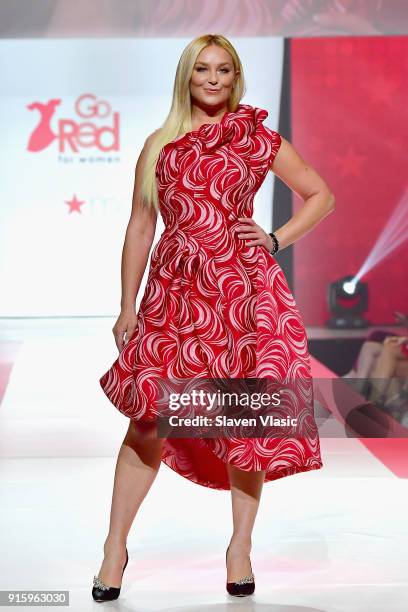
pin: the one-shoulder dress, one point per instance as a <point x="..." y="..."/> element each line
<point x="214" y="306"/>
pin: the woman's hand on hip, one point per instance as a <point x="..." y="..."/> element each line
<point x="251" y="231"/>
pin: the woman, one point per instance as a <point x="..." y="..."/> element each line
<point x="216" y="302"/>
<point x="390" y="369"/>
<point x="379" y="347"/>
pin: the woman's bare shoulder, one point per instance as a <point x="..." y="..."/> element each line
<point x="152" y="136"/>
<point x="148" y="143"/>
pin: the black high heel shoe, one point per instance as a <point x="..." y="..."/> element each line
<point x="102" y="592"/>
<point x="243" y="587"/>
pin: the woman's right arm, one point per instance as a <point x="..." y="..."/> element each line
<point x="139" y="237"/>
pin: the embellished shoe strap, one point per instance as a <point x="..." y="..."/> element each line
<point x="99" y="584"/>
<point x="246" y="579"/>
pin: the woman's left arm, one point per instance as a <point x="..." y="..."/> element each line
<point x="303" y="180"/>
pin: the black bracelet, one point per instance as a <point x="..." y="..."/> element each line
<point x="275" y="247"/>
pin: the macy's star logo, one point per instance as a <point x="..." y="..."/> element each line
<point x="74" y="204"/>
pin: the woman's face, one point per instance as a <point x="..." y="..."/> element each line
<point x="212" y="78"/>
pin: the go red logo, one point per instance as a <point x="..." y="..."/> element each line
<point x="96" y="126"/>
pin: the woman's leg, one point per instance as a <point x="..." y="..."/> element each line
<point x="383" y="371"/>
<point x="246" y="489"/>
<point x="137" y="465"/>
<point x="397" y="396"/>
<point x="365" y="361"/>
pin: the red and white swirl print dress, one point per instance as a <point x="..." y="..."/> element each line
<point x="213" y="306"/>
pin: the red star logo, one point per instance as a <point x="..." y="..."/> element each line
<point x="383" y="90"/>
<point x="74" y="204"/>
<point x="350" y="162"/>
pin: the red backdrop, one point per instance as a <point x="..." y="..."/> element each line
<point x="349" y="121"/>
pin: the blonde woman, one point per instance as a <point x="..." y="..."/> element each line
<point x="216" y="302"/>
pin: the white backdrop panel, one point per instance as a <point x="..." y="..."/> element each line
<point x="55" y="260"/>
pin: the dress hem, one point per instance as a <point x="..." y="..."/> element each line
<point x="274" y="476"/>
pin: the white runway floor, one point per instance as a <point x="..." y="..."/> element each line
<point x="331" y="540"/>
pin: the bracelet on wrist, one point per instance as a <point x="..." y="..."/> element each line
<point x="275" y="247"/>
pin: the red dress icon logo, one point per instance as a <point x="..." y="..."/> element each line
<point x="42" y="135"/>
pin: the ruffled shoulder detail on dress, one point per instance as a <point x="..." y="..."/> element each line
<point x="234" y="126"/>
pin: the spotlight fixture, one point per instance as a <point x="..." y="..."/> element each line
<point x="347" y="300"/>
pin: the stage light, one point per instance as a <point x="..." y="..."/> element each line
<point x="349" y="287"/>
<point x="347" y="301"/>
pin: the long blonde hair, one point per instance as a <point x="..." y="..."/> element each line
<point x="178" y="121"/>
